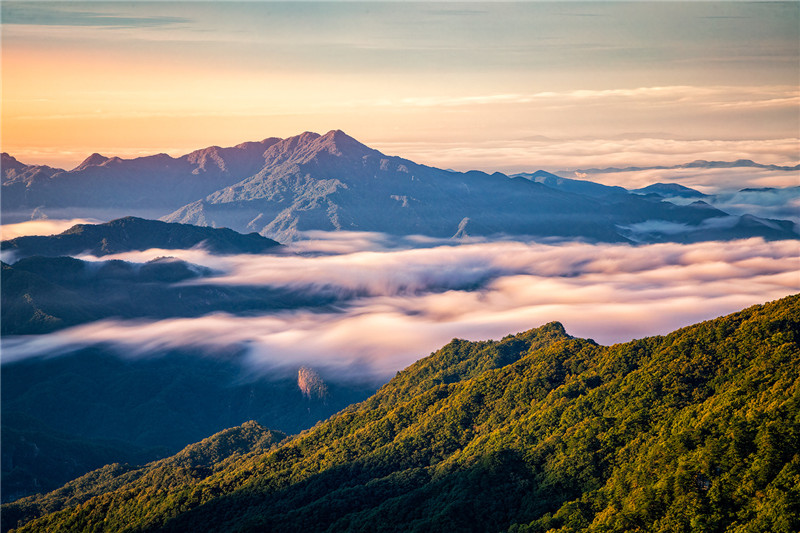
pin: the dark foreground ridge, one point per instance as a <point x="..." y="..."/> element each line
<point x="132" y="233"/>
<point x="696" y="430"/>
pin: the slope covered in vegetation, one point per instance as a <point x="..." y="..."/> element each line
<point x="189" y="466"/>
<point x="698" y="430"/>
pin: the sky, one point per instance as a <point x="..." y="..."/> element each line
<point x="491" y="86"/>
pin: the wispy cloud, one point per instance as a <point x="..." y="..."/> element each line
<point x="714" y="96"/>
<point x="34" y="14"/>
<point x="769" y="203"/>
<point x="554" y="154"/>
<point x="41" y="227"/>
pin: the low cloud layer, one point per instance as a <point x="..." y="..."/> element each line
<point x="724" y="181"/>
<point x="768" y="203"/>
<point x="399" y="304"/>
<point x="41" y="227"/>
<point x="642" y="150"/>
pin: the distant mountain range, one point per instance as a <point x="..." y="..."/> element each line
<point x="280" y="187"/>
<point x="539" y="431"/>
<point x="700" y="163"/>
<point x="158" y="181"/>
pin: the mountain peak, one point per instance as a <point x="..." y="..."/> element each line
<point x="337" y="136"/>
<point x="309" y="146"/>
<point x="290" y="144"/>
<point x="93" y="160"/>
<point x="669" y="189"/>
<point x="263" y="145"/>
<point x="304" y="138"/>
<point x="10" y="163"/>
<point x="339" y="143"/>
<point x="544" y="174"/>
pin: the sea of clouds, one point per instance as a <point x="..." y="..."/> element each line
<point x="398" y="299"/>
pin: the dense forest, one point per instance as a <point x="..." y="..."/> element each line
<point x="698" y="430"/>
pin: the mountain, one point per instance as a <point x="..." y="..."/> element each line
<point x="168" y="398"/>
<point x="152" y="182"/>
<point x="699" y="163"/>
<point x="667" y="190"/>
<point x="747" y="213"/>
<point x="16" y="173"/>
<point x="540" y="431"/>
<point x="584" y="187"/>
<point x="131" y="233"/>
<point x="282" y="187"/>
<point x="333" y="182"/>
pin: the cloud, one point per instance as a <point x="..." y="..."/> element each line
<point x="47" y="15"/>
<point x="685" y="95"/>
<point x="781" y="203"/>
<point x="553" y="154"/>
<point x="401" y="304"/>
<point x="41" y="227"/>
<point x="765" y="193"/>
<point x="648" y="228"/>
<point x="657" y="226"/>
<point x="36" y="227"/>
<point x="724" y="181"/>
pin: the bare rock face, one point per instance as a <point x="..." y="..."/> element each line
<point x="311" y="384"/>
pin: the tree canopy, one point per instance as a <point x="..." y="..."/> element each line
<point x="698" y="430"/>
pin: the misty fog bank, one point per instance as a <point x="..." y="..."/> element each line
<point x="398" y="303"/>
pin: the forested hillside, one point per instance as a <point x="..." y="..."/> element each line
<point x="698" y="430"/>
<point x="196" y="460"/>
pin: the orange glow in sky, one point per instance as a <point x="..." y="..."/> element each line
<point x="490" y="86"/>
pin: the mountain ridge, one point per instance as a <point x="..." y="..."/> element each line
<point x="132" y="233"/>
<point x="281" y="188"/>
<point x="156" y="181"/>
<point x="669" y="189"/>
<point x="538" y="431"/>
<point x="698" y="163"/>
<point x="333" y="183"/>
